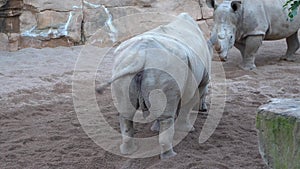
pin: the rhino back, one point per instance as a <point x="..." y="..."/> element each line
<point x="267" y="18"/>
<point x="182" y="38"/>
<point x="280" y="26"/>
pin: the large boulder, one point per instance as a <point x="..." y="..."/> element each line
<point x="9" y="16"/>
<point x="27" y="21"/>
<point x="44" y="20"/>
<point x="3" y="41"/>
<point x="56" y="5"/>
<point x="278" y="124"/>
<point x="99" y="14"/>
<point x="191" y="7"/>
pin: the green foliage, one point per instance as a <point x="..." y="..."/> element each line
<point x="292" y="6"/>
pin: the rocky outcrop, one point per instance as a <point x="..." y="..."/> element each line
<point x="50" y="23"/>
<point x="278" y="124"/>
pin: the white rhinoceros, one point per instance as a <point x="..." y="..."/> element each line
<point x="245" y="24"/>
<point x="174" y="59"/>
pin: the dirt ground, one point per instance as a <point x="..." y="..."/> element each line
<point x="39" y="127"/>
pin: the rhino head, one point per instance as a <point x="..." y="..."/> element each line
<point x="226" y="17"/>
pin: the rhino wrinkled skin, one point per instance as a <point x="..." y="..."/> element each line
<point x="245" y="24"/>
<point x="173" y="58"/>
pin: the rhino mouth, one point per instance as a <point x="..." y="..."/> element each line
<point x="223" y="55"/>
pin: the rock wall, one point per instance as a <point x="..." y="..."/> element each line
<point x="278" y="124"/>
<point x="51" y="23"/>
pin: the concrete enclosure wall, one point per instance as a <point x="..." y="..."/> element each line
<point x="51" y="23"/>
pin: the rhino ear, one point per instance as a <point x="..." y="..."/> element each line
<point x="236" y="5"/>
<point x="212" y="4"/>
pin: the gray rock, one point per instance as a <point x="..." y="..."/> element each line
<point x="56" y="5"/>
<point x="3" y="41"/>
<point x="278" y="124"/>
<point x="27" y="21"/>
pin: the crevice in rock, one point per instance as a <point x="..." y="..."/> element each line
<point x="83" y="37"/>
<point x="27" y="7"/>
<point x="55" y="10"/>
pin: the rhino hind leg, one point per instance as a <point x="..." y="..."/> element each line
<point x="155" y="126"/>
<point x="183" y="120"/>
<point x="203" y="94"/>
<point x="201" y="106"/>
<point x="128" y="146"/>
<point x="166" y="135"/>
<point x="252" y="44"/>
<point x="293" y="45"/>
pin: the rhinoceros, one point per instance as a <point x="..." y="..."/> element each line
<point x="174" y="59"/>
<point x="245" y="24"/>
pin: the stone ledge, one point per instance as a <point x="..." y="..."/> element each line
<point x="278" y="124"/>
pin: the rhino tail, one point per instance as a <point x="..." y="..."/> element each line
<point x="102" y="87"/>
<point x="137" y="65"/>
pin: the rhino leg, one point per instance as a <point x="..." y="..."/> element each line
<point x="252" y="44"/>
<point x="183" y="120"/>
<point x="155" y="126"/>
<point x="166" y="135"/>
<point x="124" y="91"/>
<point x="293" y="45"/>
<point x="128" y="146"/>
<point x="241" y="47"/>
<point x="203" y="105"/>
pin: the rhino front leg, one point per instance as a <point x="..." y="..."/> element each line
<point x="293" y="45"/>
<point x="166" y="135"/>
<point x="128" y="146"/>
<point x="252" y="44"/>
<point x="241" y="47"/>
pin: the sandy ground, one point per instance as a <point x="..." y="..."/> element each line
<point x="39" y="127"/>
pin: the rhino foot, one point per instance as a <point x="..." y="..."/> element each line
<point x="289" y="58"/>
<point x="203" y="108"/>
<point x="248" y="66"/>
<point x="128" y="148"/>
<point x="168" y="154"/>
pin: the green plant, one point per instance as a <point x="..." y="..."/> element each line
<point x="292" y="6"/>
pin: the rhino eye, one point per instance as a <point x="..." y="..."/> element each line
<point x="231" y="39"/>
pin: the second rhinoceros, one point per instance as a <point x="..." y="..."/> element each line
<point x="245" y="24"/>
